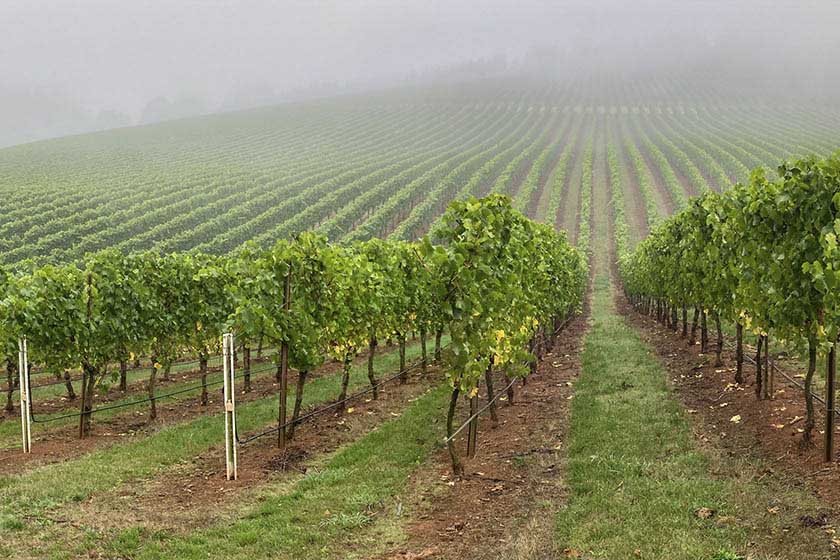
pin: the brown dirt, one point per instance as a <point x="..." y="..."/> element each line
<point x="504" y="506"/>
<point x="61" y="442"/>
<point x="731" y="418"/>
<point x="194" y="494"/>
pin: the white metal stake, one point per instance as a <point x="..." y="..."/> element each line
<point x="25" y="420"/>
<point x="234" y="445"/>
<point x="230" y="416"/>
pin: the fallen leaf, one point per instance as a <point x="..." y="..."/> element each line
<point x="736" y="419"/>
<point x="704" y="513"/>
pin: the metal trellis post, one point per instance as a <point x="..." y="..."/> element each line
<point x="230" y="406"/>
<point x="25" y="413"/>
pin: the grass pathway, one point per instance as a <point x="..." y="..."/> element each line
<point x="327" y="511"/>
<point x="639" y="479"/>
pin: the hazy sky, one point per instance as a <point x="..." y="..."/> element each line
<point x="97" y="55"/>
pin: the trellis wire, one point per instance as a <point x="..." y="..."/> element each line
<point x="327" y="408"/>
<point x="149" y="399"/>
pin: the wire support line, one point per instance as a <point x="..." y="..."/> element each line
<point x="331" y="406"/>
<point x="144" y="400"/>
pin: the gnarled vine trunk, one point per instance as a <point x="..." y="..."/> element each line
<point x="202" y="371"/>
<point x="424" y="359"/>
<point x="13" y="382"/>
<point x="345" y="381"/>
<point x="68" y="386"/>
<point x="123" y="375"/>
<point x="455" y="459"/>
<point x="719" y="347"/>
<point x="301" y="382"/>
<point x="246" y="366"/>
<point x="693" y="339"/>
<point x="404" y="373"/>
<point x="491" y="395"/>
<point x="808" y="390"/>
<point x="151" y="389"/>
<point x="90" y="376"/>
<point x="438" y="336"/>
<point x="739" y="354"/>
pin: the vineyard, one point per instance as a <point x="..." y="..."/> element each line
<point x="262" y="333"/>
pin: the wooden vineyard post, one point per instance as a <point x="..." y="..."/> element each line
<point x="831" y="368"/>
<point x="25" y="417"/>
<point x="472" y="435"/>
<point x="284" y="369"/>
<point x="230" y="406"/>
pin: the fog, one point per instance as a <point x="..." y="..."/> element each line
<point x="77" y="65"/>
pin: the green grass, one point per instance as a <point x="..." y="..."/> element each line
<point x="328" y="512"/>
<point x="29" y="495"/>
<point x="637" y="476"/>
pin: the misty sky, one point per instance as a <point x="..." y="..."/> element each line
<point x="83" y="57"/>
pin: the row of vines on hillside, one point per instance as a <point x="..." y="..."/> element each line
<point x="764" y="255"/>
<point x="497" y="282"/>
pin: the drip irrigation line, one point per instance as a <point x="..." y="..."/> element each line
<point x="145" y="400"/>
<point x="480" y="410"/>
<point x="327" y="408"/>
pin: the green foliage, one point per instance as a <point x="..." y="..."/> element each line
<point x="497" y="279"/>
<point x="763" y="254"/>
<point x="504" y="275"/>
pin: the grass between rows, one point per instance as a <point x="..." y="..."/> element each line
<point x="29" y="495"/>
<point x="638" y="478"/>
<point x="339" y="510"/>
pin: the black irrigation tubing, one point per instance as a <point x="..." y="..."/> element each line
<point x="564" y="324"/>
<point x="324" y="409"/>
<point x="480" y="410"/>
<point x="145" y="400"/>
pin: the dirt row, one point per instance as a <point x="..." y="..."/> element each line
<point x="194" y="494"/>
<point x="505" y="504"/>
<point x="733" y="419"/>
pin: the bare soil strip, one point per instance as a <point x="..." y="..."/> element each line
<point x="505" y="505"/>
